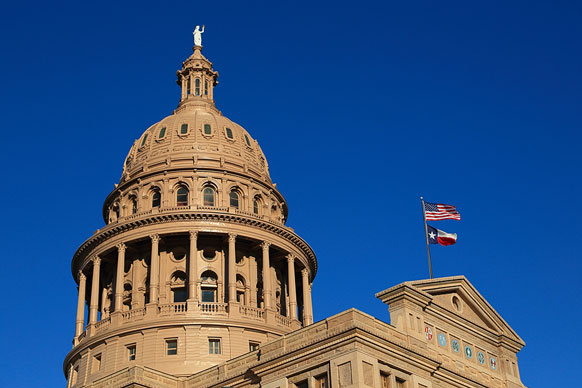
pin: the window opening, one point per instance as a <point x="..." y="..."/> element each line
<point x="197" y="87"/>
<point x="247" y="140"/>
<point x="253" y="346"/>
<point x="156" y="199"/>
<point x="229" y="133"/>
<point x="131" y="352"/>
<point x="256" y="206"/>
<point x="182" y="197"/>
<point x="133" y="206"/>
<point x="214" y="346"/>
<point x="207" y="129"/>
<point x="208" y="195"/>
<point x="162" y="132"/>
<point x="188" y="86"/>
<point x="184" y="129"/>
<point x="145" y="137"/>
<point x="171" y="347"/>
<point x="233" y="199"/>
<point x="205" y="87"/>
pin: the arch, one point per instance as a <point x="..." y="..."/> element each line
<point x="257" y="204"/>
<point x="209" y="286"/>
<point x="178" y="290"/>
<point x="156" y="199"/>
<point x="241" y="289"/>
<point x="132" y="202"/>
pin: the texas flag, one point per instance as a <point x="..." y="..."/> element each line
<point x="436" y="236"/>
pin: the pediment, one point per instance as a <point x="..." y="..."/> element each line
<point x="459" y="297"/>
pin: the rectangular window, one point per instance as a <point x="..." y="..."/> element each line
<point x="131" y="352"/>
<point x="253" y="346"/>
<point x="184" y="129"/>
<point x="214" y="346"/>
<point x="96" y="363"/>
<point x="207" y="129"/>
<point x="321" y="381"/>
<point x="171" y="347"/>
<point x="208" y="295"/>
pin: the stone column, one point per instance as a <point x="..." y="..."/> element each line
<point x="266" y="275"/>
<point x="193" y="266"/>
<point x="155" y="269"/>
<point x="80" y="322"/>
<point x="94" y="304"/>
<point x="307" y="317"/>
<point x="119" y="276"/>
<point x="292" y="289"/>
<point x="231" y="267"/>
<point x="253" y="282"/>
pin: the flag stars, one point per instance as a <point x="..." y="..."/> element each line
<point x="431" y="235"/>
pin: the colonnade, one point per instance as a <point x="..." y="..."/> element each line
<point x="192" y="285"/>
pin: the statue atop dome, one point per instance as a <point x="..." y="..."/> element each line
<point x="198" y="36"/>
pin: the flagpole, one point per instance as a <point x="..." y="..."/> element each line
<point x="426" y="236"/>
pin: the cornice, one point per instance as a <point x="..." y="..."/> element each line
<point x="117" y="228"/>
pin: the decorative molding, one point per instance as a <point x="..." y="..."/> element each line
<point x="112" y="230"/>
<point x="155" y="238"/>
<point x="232" y="237"/>
<point x="96" y="260"/>
<point x="193" y="234"/>
<point x="265" y="245"/>
<point x="82" y="276"/>
<point x="121" y="247"/>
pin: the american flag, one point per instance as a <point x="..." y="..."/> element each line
<point x="440" y="211"/>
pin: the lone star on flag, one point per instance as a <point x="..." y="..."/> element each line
<point x="431" y="235"/>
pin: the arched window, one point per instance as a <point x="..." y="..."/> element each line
<point x="205" y="87"/>
<point x="197" y="87"/>
<point x="188" y="86"/>
<point x="256" y="206"/>
<point x="182" y="197"/>
<point x="133" y="205"/>
<point x="233" y="199"/>
<point x="240" y="290"/>
<point x="178" y="287"/>
<point x="208" y="196"/>
<point x="208" y="286"/>
<point x="156" y="199"/>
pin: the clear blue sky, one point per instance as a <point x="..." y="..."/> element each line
<point x="360" y="109"/>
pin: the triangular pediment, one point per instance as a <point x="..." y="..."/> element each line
<point x="457" y="296"/>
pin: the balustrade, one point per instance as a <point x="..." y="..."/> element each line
<point x="102" y="324"/>
<point x="283" y="321"/>
<point x="133" y="314"/>
<point x="173" y="308"/>
<point x="251" y="312"/>
<point x="213" y="308"/>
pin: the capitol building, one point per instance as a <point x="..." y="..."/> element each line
<point x="196" y="281"/>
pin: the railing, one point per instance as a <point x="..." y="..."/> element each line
<point x="284" y="321"/>
<point x="173" y="308"/>
<point x="133" y="315"/>
<point x="213" y="208"/>
<point x="82" y="336"/>
<point x="251" y="312"/>
<point x="102" y="324"/>
<point x="213" y="308"/>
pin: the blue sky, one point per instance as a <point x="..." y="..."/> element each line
<point x="360" y="108"/>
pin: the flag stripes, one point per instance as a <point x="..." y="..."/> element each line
<point x="440" y="211"/>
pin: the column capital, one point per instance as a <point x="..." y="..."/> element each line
<point x="290" y="258"/>
<point x="232" y="237"/>
<point x="304" y="272"/>
<point x="193" y="234"/>
<point x="96" y="260"/>
<point x="265" y="245"/>
<point x="121" y="247"/>
<point x="155" y="238"/>
<point x="82" y="275"/>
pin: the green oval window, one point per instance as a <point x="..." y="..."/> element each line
<point x="145" y="137"/>
<point x="207" y="129"/>
<point x="162" y="132"/>
<point x="247" y="140"/>
<point x="229" y="133"/>
<point x="184" y="129"/>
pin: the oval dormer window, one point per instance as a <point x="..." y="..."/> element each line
<point x="207" y="129"/>
<point x="145" y="137"/>
<point x="229" y="133"/>
<point x="247" y="140"/>
<point x="162" y="133"/>
<point x="184" y="129"/>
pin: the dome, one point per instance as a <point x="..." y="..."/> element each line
<point x="196" y="136"/>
